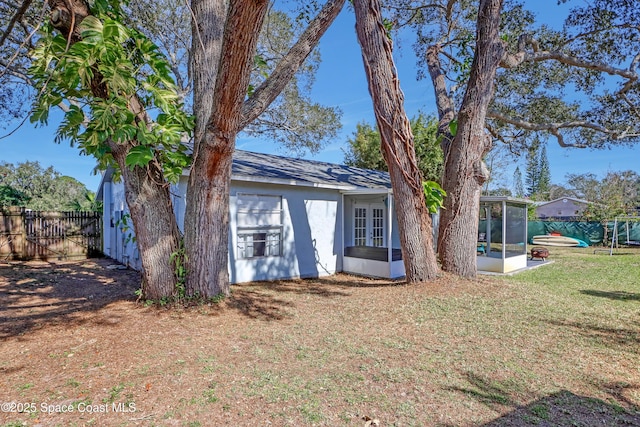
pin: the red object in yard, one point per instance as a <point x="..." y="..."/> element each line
<point x="539" y="252"/>
<point x="556" y="233"/>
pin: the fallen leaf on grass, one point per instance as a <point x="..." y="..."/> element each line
<point x="370" y="421"/>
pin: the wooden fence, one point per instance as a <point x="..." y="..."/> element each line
<point x="27" y="235"/>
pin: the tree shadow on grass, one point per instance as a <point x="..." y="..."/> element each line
<point x="494" y="394"/>
<point x="625" y="337"/>
<point x="329" y="286"/>
<point x="562" y="408"/>
<point x="349" y="281"/>
<point x="618" y="391"/>
<point x="565" y="408"/>
<point x="614" y="295"/>
<point x="271" y="300"/>
<point x="258" y="304"/>
<point x="34" y="295"/>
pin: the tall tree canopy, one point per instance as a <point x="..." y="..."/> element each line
<point x="577" y="85"/>
<point x="30" y="185"/>
<point x="17" y="25"/>
<point x="498" y="160"/>
<point x="363" y="148"/>
<point x="618" y="193"/>
<point x="538" y="173"/>
<point x="518" y="185"/>
<point x="124" y="103"/>
<point x="293" y="119"/>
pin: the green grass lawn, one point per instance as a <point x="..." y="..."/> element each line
<point x="555" y="346"/>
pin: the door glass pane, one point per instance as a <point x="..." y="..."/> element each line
<point x="360" y="227"/>
<point x="377" y="227"/>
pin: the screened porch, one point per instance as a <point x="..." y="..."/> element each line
<point x="371" y="246"/>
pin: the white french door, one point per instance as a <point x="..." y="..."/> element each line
<point x="369" y="225"/>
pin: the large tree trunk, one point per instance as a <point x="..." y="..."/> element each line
<point x="207" y="216"/>
<point x="154" y="224"/>
<point x="414" y="222"/>
<point x="464" y="170"/>
<point x="146" y="190"/>
<point x="223" y="64"/>
<point x="207" y="29"/>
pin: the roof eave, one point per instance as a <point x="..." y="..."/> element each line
<point x="292" y="182"/>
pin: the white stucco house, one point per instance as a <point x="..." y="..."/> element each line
<point x="289" y="218"/>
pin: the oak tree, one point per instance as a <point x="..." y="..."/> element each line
<point x="593" y="55"/>
<point x="106" y="76"/>
<point x="414" y="222"/>
<point x="224" y="45"/>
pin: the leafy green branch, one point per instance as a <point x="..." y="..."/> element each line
<point x="434" y="196"/>
<point x="132" y="78"/>
<point x="179" y="260"/>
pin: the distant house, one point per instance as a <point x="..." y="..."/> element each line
<point x="565" y="208"/>
<point x="288" y="218"/>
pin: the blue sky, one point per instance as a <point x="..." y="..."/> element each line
<point x="340" y="82"/>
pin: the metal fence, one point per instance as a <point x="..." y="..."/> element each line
<point x="27" y="235"/>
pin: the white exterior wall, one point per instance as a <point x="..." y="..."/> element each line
<point x="310" y="222"/>
<point x="121" y="244"/>
<point x="497" y="264"/>
<point x="106" y="218"/>
<point x="561" y="208"/>
<point x="311" y="233"/>
<point x="179" y="200"/>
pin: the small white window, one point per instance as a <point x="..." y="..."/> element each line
<point x="259" y="226"/>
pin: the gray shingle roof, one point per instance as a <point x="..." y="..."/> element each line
<point x="248" y="165"/>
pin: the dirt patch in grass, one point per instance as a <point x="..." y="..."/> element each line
<point x="76" y="349"/>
